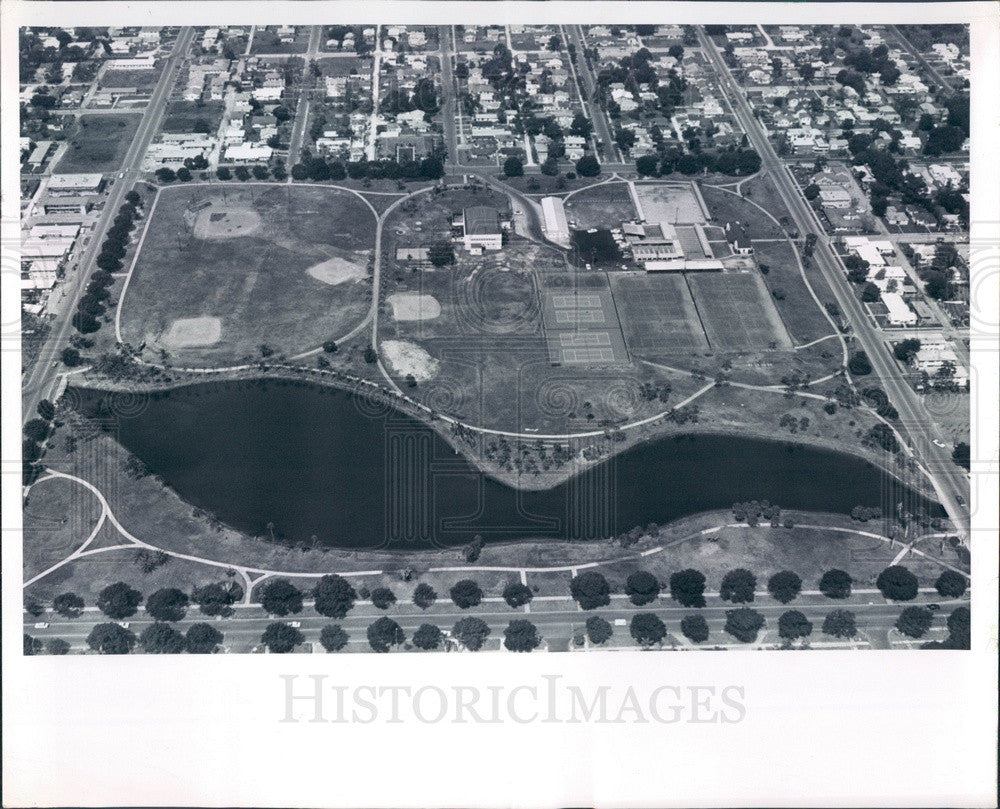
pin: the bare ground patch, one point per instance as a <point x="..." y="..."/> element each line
<point x="409" y="358"/>
<point x="336" y="270"/>
<point x="217" y="222"/>
<point x="192" y="332"/>
<point x="414" y="306"/>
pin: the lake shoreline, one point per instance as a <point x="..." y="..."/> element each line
<point x="382" y="397"/>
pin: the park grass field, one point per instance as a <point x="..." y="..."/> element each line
<point x="737" y="312"/>
<point x="191" y="116"/>
<point x="658" y="315"/>
<point x="601" y="206"/>
<point x="225" y="271"/>
<point x="58" y="518"/>
<point x="139" y="79"/>
<point x="726" y="206"/>
<point x="98" y="144"/>
<point x="799" y="312"/>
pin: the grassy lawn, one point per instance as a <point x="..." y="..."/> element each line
<point x="88" y="576"/>
<point x="192" y="116"/>
<point x="139" y="79"/>
<point x="728" y="207"/>
<point x="800" y="313"/>
<point x="224" y="271"/>
<point x="603" y="206"/>
<point x="762" y="191"/>
<point x="265" y="41"/>
<point x="344" y="66"/>
<point x="58" y="518"/>
<point x="98" y="144"/>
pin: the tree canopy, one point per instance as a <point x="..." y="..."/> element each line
<point x="334" y="596"/>
<point x="202" y="639"/>
<point x="951" y="584"/>
<point x="427" y="636"/>
<point x="161" y="638"/>
<point x="784" y="586"/>
<point x="111" y="639"/>
<point x="167" y="604"/>
<point x="695" y="628"/>
<point x="744" y="624"/>
<point x="424" y="595"/>
<point x="281" y="597"/>
<point x="794" y="624"/>
<point x="385" y="633"/>
<point x="646" y="628"/>
<point x="840" y="624"/>
<point x="591" y="590"/>
<point x="598" y="630"/>
<point x="466" y="593"/>
<point x="642" y="587"/>
<point x="68" y="605"/>
<point x="471" y="633"/>
<point x="738" y="586"/>
<point x="687" y="587"/>
<point x="280" y="638"/>
<point x="119" y="601"/>
<point x="517" y="594"/>
<point x="333" y="638"/>
<point x="897" y="583"/>
<point x="914" y="621"/>
<point x="521" y="636"/>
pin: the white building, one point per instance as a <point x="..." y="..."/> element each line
<point x="900" y="314"/>
<point x="555" y="225"/>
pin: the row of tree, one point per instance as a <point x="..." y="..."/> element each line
<point x="92" y="305"/>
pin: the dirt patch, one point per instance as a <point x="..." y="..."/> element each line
<point x="192" y="332"/>
<point x="414" y="306"/>
<point x="336" y="270"/>
<point x="215" y="222"/>
<point x="409" y="358"/>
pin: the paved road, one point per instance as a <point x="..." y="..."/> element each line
<point x="588" y="90"/>
<point x="302" y="109"/>
<point x="557" y="618"/>
<point x="947" y="88"/>
<point x="950" y="481"/>
<point x="449" y="93"/>
<point x="43" y="380"/>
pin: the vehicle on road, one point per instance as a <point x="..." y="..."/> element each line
<point x="938" y="443"/>
<point x="123" y="624"/>
<point x="933" y="607"/>
<point x="41" y="625"/>
<point x="295" y="624"/>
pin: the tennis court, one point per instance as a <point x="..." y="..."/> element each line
<point x="658" y="316"/>
<point x="737" y="312"/>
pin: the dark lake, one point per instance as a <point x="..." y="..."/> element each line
<point x="305" y="461"/>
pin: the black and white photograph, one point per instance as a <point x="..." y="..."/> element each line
<point x="614" y="335"/>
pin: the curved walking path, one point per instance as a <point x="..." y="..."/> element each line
<point x="252" y="576"/>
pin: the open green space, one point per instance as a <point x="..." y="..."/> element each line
<point x="139" y="79"/>
<point x="192" y="116"/>
<point x="802" y="316"/>
<point x="343" y="66"/>
<point x="726" y="206"/>
<point x="98" y="143"/>
<point x="235" y="274"/>
<point x="600" y="206"/>
<point x="58" y="517"/>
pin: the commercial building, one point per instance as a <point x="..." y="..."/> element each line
<point x="74" y="184"/>
<point x="481" y="229"/>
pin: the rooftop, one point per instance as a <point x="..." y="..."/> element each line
<point x="481" y="220"/>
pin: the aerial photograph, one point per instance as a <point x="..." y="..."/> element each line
<point x="495" y="338"/>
